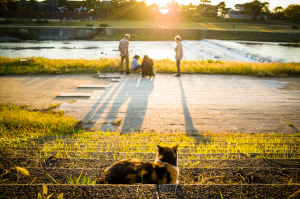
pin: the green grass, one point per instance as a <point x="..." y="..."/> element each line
<point x="18" y="126"/>
<point x="18" y="123"/>
<point x="10" y="66"/>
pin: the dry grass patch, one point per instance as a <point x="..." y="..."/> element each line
<point x="10" y="66"/>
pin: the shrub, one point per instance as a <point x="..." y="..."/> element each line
<point x="104" y="25"/>
<point x="90" y="25"/>
<point x="295" y="27"/>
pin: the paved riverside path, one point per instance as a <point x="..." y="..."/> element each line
<point x="192" y="103"/>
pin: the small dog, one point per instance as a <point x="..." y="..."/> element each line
<point x="132" y="171"/>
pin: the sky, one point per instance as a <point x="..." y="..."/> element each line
<point x="229" y="3"/>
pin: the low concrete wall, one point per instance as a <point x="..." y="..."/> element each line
<point x="164" y="33"/>
<point x="155" y="31"/>
<point x="57" y="33"/>
<point x="204" y="34"/>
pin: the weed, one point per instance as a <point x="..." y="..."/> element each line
<point x="291" y="124"/>
<point x="90" y="122"/>
<point x="117" y="122"/>
<point x="44" y="194"/>
<point x="86" y="180"/>
<point x="73" y="101"/>
<point x="221" y="194"/>
<point x="21" y="171"/>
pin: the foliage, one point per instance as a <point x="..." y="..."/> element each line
<point x="62" y="2"/>
<point x="3" y="5"/>
<point x="221" y="6"/>
<point x="18" y="121"/>
<point x="63" y="66"/>
<point x="25" y="8"/>
<point x="132" y="10"/>
<point x="12" y="5"/>
<point x="256" y="8"/>
<point x="86" y="180"/>
<point x="295" y="27"/>
<point x="278" y="12"/>
<point x="292" y="12"/>
<point x="33" y="3"/>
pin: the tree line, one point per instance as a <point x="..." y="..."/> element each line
<point x="257" y="8"/>
<point x="133" y="9"/>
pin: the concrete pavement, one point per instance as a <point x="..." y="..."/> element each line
<point x="192" y="103"/>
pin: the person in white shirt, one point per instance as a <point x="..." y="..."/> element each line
<point x="135" y="66"/>
<point x="179" y="54"/>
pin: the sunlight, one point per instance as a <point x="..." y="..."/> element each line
<point x="164" y="10"/>
<point x="161" y="54"/>
<point x="161" y="3"/>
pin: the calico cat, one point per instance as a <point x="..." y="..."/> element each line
<point x="132" y="171"/>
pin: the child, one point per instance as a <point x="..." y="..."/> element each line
<point x="135" y="66"/>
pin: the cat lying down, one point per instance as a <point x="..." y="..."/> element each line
<point x="132" y="171"/>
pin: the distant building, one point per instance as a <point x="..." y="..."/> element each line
<point x="239" y="14"/>
<point x="106" y="2"/>
<point x="40" y="6"/>
<point x="208" y="11"/>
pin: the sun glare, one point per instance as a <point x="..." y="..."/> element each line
<point x="161" y="3"/>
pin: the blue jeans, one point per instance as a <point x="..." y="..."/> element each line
<point x="137" y="67"/>
<point x="178" y="66"/>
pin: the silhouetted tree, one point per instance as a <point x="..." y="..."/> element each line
<point x="292" y="12"/>
<point x="278" y="12"/>
<point x="61" y="3"/>
<point x="3" y="5"/>
<point x="12" y="5"/>
<point x="221" y="7"/>
<point x="256" y="8"/>
<point x="173" y="5"/>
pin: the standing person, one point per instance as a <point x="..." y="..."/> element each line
<point x="124" y="49"/>
<point x="179" y="53"/>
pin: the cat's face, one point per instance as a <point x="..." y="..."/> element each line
<point x="168" y="154"/>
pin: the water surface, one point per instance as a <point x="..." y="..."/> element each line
<point x="193" y="50"/>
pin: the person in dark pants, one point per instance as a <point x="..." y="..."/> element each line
<point x="147" y="67"/>
<point x="179" y="54"/>
<point x="124" y="50"/>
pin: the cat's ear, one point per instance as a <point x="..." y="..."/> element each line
<point x="159" y="148"/>
<point x="176" y="147"/>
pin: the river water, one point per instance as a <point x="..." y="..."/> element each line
<point x="193" y="50"/>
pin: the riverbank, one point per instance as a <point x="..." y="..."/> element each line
<point x="79" y="66"/>
<point x="144" y="34"/>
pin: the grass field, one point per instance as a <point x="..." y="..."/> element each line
<point x="240" y="25"/>
<point x="19" y="124"/>
<point x="10" y="66"/>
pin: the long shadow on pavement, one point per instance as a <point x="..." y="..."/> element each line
<point x="133" y="101"/>
<point x="189" y="126"/>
